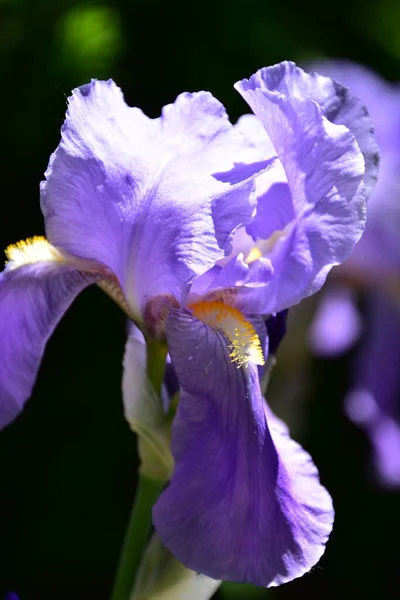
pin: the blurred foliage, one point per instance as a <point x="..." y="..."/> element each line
<point x="68" y="463"/>
<point x="89" y="40"/>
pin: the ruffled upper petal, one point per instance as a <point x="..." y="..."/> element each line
<point x="244" y="502"/>
<point x="156" y="200"/>
<point x="325" y="170"/>
<point x="383" y="100"/>
<point x="340" y="105"/>
<point x="33" y="298"/>
<point x="379" y="96"/>
<point x="311" y="200"/>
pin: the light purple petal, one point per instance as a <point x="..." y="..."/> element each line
<point x="238" y="273"/>
<point x="383" y="101"/>
<point x="33" y="298"/>
<point x="383" y="222"/>
<point x="274" y="202"/>
<point x="251" y="127"/>
<point x="155" y="200"/>
<point x="373" y="402"/>
<point x="245" y="502"/>
<point x="379" y="96"/>
<point x="340" y="105"/>
<point x="337" y="324"/>
<point x="324" y="168"/>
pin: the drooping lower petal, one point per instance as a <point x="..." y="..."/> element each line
<point x="33" y="298"/>
<point x="155" y="200"/>
<point x="244" y="502"/>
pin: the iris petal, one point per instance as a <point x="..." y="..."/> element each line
<point x="311" y="199"/>
<point x="325" y="173"/>
<point x="381" y="239"/>
<point x="155" y="200"/>
<point x="244" y="502"/>
<point x="33" y="298"/>
<point x="340" y="105"/>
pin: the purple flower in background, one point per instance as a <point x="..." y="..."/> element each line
<point x="198" y="229"/>
<point x="372" y="270"/>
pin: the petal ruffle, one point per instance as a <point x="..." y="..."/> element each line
<point x="379" y="96"/>
<point x="325" y="172"/>
<point x="382" y="99"/>
<point x="339" y="104"/>
<point x="244" y="502"/>
<point x="33" y="298"/>
<point x="155" y="200"/>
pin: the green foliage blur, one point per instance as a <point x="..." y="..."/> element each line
<point x="68" y="464"/>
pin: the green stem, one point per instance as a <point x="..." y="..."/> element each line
<point x="155" y="364"/>
<point x="136" y="536"/>
<point x="147" y="492"/>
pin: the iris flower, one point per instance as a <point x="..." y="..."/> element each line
<point x="372" y="273"/>
<point x="197" y="229"/>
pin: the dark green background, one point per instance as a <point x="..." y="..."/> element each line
<point x="67" y="465"/>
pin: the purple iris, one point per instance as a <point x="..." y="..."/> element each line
<point x="372" y="272"/>
<point x="197" y="228"/>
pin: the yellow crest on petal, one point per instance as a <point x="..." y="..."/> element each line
<point x="244" y="344"/>
<point x="32" y="250"/>
<point x="264" y="247"/>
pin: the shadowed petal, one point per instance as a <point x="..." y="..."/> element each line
<point x="245" y="502"/>
<point x="276" y="329"/>
<point x="155" y="200"/>
<point x="379" y="96"/>
<point x="340" y="105"/>
<point x="382" y="99"/>
<point x="325" y="172"/>
<point x="274" y="202"/>
<point x="33" y="298"/>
